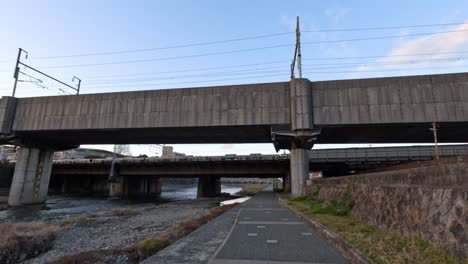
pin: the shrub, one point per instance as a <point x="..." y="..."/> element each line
<point x="152" y="245"/>
<point x="20" y="241"/>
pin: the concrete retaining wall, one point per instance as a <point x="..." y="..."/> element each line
<point x="428" y="202"/>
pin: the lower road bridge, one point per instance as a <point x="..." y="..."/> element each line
<point x="141" y="176"/>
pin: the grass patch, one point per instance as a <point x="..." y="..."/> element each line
<point x="152" y="245"/>
<point x="121" y="212"/>
<point x="147" y="247"/>
<point x="251" y="189"/>
<point x="379" y="245"/>
<point x="86" y="218"/>
<point x="23" y="240"/>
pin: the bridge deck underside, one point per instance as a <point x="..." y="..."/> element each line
<point x="175" y="135"/>
<point x="394" y="133"/>
<point x="385" y="133"/>
<point x="254" y="169"/>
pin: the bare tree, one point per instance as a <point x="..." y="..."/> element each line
<point x="122" y="150"/>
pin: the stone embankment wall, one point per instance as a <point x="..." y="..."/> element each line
<point x="430" y="202"/>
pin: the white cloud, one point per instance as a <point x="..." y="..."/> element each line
<point x="439" y="43"/>
<point x="406" y="51"/>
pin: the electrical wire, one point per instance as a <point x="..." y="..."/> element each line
<point x="211" y="80"/>
<point x="386" y="70"/>
<point x="285" y="73"/>
<point x="386" y="56"/>
<point x="189" y="70"/>
<point x="412" y="61"/>
<point x="382" y="28"/>
<point x="241" y="39"/>
<point x="264" y="70"/>
<point x="167" y="58"/>
<point x="383" y="37"/>
<point x="162" y="48"/>
<point x="185" y="76"/>
<point x="240" y="50"/>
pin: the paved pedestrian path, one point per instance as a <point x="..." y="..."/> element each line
<point x="260" y="231"/>
<point x="266" y="232"/>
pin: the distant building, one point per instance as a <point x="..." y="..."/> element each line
<point x="85" y="153"/>
<point x="7" y="153"/>
<point x="168" y="152"/>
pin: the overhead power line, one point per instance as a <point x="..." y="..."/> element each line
<point x="241" y="39"/>
<point x="313" y="64"/>
<point x="385" y="37"/>
<point x="246" y="50"/>
<point x="385" y="56"/>
<point x="189" y="70"/>
<point x="163" y="48"/>
<point x="187" y="76"/>
<point x="169" y="58"/>
<point x="390" y="62"/>
<point x="389" y="70"/>
<point x="382" y="28"/>
<point x="283" y="73"/>
<point x="263" y="72"/>
<point x="203" y="81"/>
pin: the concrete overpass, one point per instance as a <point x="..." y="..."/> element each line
<point x="255" y="165"/>
<point x="293" y="115"/>
<point x="148" y="171"/>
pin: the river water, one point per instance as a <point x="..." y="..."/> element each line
<point x="183" y="192"/>
<point x="59" y="206"/>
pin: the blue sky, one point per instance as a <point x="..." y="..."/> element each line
<point x="56" y="28"/>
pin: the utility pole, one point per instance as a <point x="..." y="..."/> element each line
<point x="434" y="130"/>
<point x="298" y="47"/>
<point x="79" y="84"/>
<point x="297" y="52"/>
<point x="17" y="69"/>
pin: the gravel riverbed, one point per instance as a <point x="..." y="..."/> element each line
<point x="108" y="231"/>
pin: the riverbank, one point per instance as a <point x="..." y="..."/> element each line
<point x="119" y="229"/>
<point x="98" y="227"/>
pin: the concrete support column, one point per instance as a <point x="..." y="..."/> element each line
<point x="64" y="188"/>
<point x="299" y="170"/>
<point x="143" y="188"/>
<point x="31" y="177"/>
<point x="208" y="186"/>
<point x="116" y="188"/>
<point x="155" y="186"/>
<point x="287" y="183"/>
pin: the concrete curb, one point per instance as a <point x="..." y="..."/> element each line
<point x="348" y="251"/>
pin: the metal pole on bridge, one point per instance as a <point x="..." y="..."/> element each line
<point x="298" y="43"/>
<point x="434" y="130"/>
<point x="297" y="52"/>
<point x="17" y="69"/>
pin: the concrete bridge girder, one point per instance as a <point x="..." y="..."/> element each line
<point x="174" y="116"/>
